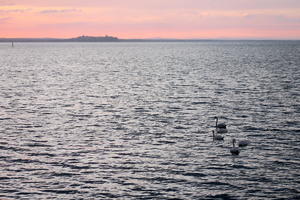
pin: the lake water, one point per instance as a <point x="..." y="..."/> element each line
<point x="134" y="120"/>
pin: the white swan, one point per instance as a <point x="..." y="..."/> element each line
<point x="243" y="143"/>
<point x="217" y="137"/>
<point x="220" y="128"/>
<point x="234" y="150"/>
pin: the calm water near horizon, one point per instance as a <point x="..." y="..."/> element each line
<point x="134" y="120"/>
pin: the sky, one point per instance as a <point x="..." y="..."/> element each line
<point x="189" y="19"/>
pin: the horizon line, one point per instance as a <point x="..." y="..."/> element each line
<point x="150" y="38"/>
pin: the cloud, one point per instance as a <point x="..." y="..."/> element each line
<point x="264" y="20"/>
<point x="14" y="10"/>
<point x="166" y="4"/>
<point x="4" y="19"/>
<point x="5" y="3"/>
<point x="52" y="11"/>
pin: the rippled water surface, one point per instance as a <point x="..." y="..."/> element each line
<point x="134" y="120"/>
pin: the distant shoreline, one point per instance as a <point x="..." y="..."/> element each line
<point x="115" y="39"/>
<point x="77" y="39"/>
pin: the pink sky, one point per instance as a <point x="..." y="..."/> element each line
<point x="231" y="19"/>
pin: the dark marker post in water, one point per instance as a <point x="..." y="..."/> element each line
<point x="12" y="44"/>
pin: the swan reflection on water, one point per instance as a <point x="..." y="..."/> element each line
<point x="234" y="150"/>
<point x="243" y="143"/>
<point x="217" y="136"/>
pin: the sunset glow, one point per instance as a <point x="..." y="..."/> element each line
<point x="228" y="19"/>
